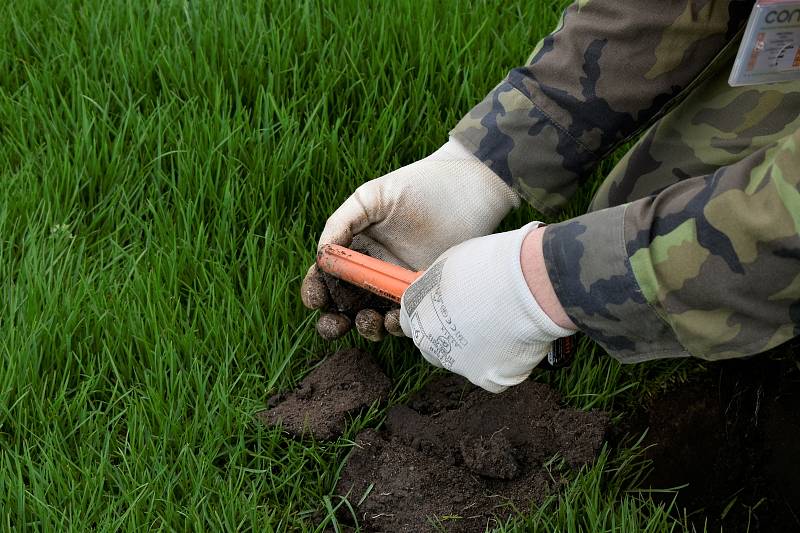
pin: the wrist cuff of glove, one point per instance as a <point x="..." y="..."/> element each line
<point x="546" y="329"/>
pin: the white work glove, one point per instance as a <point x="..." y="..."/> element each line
<point x="412" y="215"/>
<point x="473" y="313"/>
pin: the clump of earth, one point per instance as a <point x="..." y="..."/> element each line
<point x="456" y="457"/>
<point x="343" y="385"/>
<point x="348" y="299"/>
<point x="459" y="458"/>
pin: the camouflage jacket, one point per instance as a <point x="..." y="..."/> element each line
<point x="704" y="259"/>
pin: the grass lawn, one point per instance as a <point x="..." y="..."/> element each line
<point x="166" y="168"/>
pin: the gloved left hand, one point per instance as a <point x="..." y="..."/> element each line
<point x="473" y="313"/>
<point x="410" y="216"/>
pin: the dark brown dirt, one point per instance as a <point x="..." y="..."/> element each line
<point x="349" y="299"/>
<point x="457" y="455"/>
<point x="734" y="437"/>
<point x="344" y="384"/>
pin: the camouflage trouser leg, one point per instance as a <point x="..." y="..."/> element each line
<point x="717" y="125"/>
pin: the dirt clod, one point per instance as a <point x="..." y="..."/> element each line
<point x="490" y="456"/>
<point x="331" y="326"/>
<point x="369" y="324"/>
<point x="456" y="455"/>
<point x="345" y="383"/>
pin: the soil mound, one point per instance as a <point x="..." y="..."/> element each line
<point x="345" y="383"/>
<point x="734" y="438"/>
<point x="456" y="456"/>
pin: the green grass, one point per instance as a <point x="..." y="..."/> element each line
<point x="166" y="168"/>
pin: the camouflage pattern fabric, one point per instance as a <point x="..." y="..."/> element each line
<point x="693" y="243"/>
<point x="717" y="125"/>
<point x="611" y="68"/>
<point x="708" y="267"/>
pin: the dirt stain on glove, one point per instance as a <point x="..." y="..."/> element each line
<point x="391" y="322"/>
<point x="369" y="324"/>
<point x="314" y="292"/>
<point x="331" y="326"/>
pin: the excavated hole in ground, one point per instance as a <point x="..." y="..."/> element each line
<point x="732" y="436"/>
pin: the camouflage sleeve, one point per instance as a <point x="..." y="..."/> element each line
<point x="708" y="267"/>
<point x="607" y="71"/>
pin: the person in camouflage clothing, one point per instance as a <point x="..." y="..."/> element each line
<point x="692" y="244"/>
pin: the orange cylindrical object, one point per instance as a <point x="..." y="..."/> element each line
<point x="379" y="277"/>
<point x="391" y="281"/>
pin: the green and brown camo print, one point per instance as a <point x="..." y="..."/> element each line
<point x="692" y="244"/>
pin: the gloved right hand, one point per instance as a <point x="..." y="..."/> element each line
<point x="410" y="217"/>
<point x="474" y="312"/>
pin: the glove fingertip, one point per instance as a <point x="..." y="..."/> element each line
<point x="369" y="324"/>
<point x="313" y="292"/>
<point x="391" y="321"/>
<point x="494" y="388"/>
<point x="432" y="359"/>
<point x="331" y="326"/>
